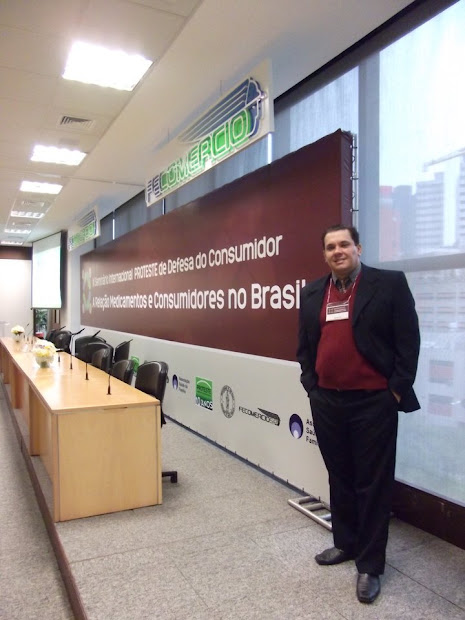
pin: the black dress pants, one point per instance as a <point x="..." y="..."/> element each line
<point x="357" y="434"/>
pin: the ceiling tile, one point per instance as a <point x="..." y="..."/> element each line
<point x="13" y="154"/>
<point x="178" y="7"/>
<point x="20" y="114"/>
<point x="25" y="86"/>
<point x="45" y="16"/>
<point x="53" y="117"/>
<point x="134" y="28"/>
<point x="88" y="99"/>
<point x="31" y="52"/>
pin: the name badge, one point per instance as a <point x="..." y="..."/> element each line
<point x="337" y="311"/>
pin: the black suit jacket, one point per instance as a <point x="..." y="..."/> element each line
<point x="385" y="329"/>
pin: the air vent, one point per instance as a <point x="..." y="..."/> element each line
<point x="74" y="122"/>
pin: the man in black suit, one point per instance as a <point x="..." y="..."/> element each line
<point x="358" y="350"/>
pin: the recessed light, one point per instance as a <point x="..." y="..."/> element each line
<point x="93" y="64"/>
<point x="32" y="215"/>
<point x="11" y="242"/>
<point x="55" y="155"/>
<point x="40" y="188"/>
<point x="18" y="231"/>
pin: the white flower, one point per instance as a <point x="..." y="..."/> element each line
<point x="44" y="349"/>
<point x="17" y="329"/>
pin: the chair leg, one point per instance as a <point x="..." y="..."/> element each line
<point x="172" y="475"/>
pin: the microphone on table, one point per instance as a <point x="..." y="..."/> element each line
<point x="71" y="347"/>
<point x="87" y="374"/>
<point x="109" y="388"/>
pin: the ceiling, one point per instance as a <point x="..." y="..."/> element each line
<point x="199" y="48"/>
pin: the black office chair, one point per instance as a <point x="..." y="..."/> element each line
<point x="51" y="333"/>
<point x="123" y="370"/>
<point x="102" y="358"/>
<point x="87" y="352"/>
<point x="83" y="341"/>
<point x="151" y="378"/>
<point x="121" y="351"/>
<point x="61" y="340"/>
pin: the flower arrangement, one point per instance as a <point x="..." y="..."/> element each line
<point x="17" y="331"/>
<point x="44" y="352"/>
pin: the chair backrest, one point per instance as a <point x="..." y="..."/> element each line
<point x="61" y="340"/>
<point x="88" y="352"/>
<point x="81" y="342"/>
<point x="102" y="358"/>
<point x="49" y="335"/>
<point x="121" y="351"/>
<point x="123" y="370"/>
<point x="151" y="378"/>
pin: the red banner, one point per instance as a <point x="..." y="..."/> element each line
<point x="225" y="271"/>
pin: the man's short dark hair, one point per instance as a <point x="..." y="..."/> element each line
<point x="352" y="230"/>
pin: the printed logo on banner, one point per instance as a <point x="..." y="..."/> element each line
<point x="310" y="435"/>
<point x="87" y="290"/>
<point x="182" y="384"/>
<point x="227" y="401"/>
<point x="296" y="428"/>
<point x="263" y="415"/>
<point x="204" y="393"/>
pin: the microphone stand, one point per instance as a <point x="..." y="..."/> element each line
<point x="71" y="347"/>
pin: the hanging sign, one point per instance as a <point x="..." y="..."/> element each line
<point x="241" y="117"/>
<point x="85" y="229"/>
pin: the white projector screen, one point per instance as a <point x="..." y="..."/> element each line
<point x="46" y="272"/>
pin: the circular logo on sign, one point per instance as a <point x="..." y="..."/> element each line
<point x="296" y="426"/>
<point x="228" y="402"/>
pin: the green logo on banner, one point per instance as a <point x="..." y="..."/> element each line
<point x="204" y="393"/>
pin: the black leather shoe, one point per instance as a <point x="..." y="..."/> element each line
<point x="331" y="556"/>
<point x="368" y="587"/>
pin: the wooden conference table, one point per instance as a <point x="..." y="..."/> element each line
<point x="101" y="451"/>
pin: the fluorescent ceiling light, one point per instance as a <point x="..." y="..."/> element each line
<point x="12" y="243"/>
<point x="32" y="215"/>
<point x="18" y="231"/>
<point x="40" y="188"/>
<point x="93" y="64"/>
<point x="55" y="155"/>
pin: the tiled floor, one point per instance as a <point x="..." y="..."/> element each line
<point x="30" y="582"/>
<point x="224" y="545"/>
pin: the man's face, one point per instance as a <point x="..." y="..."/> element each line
<point x="341" y="253"/>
